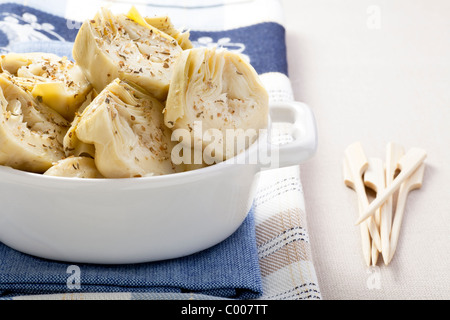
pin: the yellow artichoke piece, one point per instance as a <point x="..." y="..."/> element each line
<point x="114" y="46"/>
<point x="222" y="92"/>
<point x="56" y="81"/>
<point x="31" y="134"/>
<point x="75" y="167"/>
<point x="126" y="126"/>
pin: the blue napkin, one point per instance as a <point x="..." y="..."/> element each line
<point x="227" y="270"/>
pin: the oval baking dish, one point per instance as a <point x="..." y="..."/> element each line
<point x="116" y="221"/>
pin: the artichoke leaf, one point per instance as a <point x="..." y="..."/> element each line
<point x="75" y="167"/>
<point x="72" y="145"/>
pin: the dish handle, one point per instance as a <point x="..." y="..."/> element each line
<point x="303" y="143"/>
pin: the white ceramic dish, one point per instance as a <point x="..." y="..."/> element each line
<point x="140" y="220"/>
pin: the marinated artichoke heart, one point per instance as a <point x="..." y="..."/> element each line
<point x="126" y="126"/>
<point x="114" y="46"/>
<point x="223" y="92"/>
<point x="56" y="81"/>
<point x="75" y="167"/>
<point x="31" y="134"/>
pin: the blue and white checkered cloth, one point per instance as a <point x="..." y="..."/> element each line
<point x="267" y="258"/>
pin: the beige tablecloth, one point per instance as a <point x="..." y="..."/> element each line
<point x="375" y="72"/>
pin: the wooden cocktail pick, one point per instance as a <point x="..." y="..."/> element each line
<point x="412" y="183"/>
<point x="394" y="152"/>
<point x="357" y="164"/>
<point x="364" y="229"/>
<point x="374" y="179"/>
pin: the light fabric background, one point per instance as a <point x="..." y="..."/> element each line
<point x="375" y="71"/>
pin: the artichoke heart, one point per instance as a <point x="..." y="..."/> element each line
<point x="57" y="81"/>
<point x="222" y="92"/>
<point x="114" y="46"/>
<point x="75" y="167"/>
<point x="126" y="126"/>
<point x="31" y="133"/>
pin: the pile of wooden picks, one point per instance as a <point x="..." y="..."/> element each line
<point x="380" y="219"/>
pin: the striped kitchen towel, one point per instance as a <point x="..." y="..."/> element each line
<point x="253" y="28"/>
